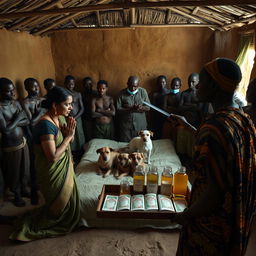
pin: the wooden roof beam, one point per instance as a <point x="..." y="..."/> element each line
<point x="113" y="6"/>
<point x="86" y="28"/>
<point x="57" y="23"/>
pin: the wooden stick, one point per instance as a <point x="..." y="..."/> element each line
<point x="55" y="24"/>
<point x="86" y="28"/>
<point x="113" y="6"/>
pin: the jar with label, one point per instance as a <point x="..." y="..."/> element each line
<point x="152" y="180"/>
<point x="138" y="179"/>
<point x="180" y="182"/>
<point x="166" y="181"/>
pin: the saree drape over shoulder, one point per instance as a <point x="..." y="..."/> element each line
<point x="225" y="153"/>
<point x="61" y="211"/>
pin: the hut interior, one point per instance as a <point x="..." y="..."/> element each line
<point x="112" y="40"/>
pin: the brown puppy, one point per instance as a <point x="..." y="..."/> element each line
<point x="106" y="161"/>
<point x="136" y="159"/>
<point x="123" y="165"/>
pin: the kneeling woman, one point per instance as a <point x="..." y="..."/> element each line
<point x="55" y="175"/>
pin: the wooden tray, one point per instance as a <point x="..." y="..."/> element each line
<point x="115" y="190"/>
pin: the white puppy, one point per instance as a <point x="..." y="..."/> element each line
<point x="142" y="144"/>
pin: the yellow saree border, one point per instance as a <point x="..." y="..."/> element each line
<point x="62" y="200"/>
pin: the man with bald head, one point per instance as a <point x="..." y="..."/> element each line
<point x="223" y="199"/>
<point x="131" y="111"/>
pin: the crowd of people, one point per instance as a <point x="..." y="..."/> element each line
<point x="48" y="130"/>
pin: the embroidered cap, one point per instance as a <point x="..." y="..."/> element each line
<point x="225" y="72"/>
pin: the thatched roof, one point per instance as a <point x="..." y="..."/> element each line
<point x="40" y="17"/>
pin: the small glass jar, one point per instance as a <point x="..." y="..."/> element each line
<point x="138" y="179"/>
<point x="152" y="180"/>
<point x="125" y="187"/>
<point x="166" y="181"/>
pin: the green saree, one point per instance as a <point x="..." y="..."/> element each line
<point x="61" y="211"/>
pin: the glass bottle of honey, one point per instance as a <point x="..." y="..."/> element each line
<point x="152" y="180"/>
<point x="166" y="181"/>
<point x="138" y="179"/>
<point x="180" y="182"/>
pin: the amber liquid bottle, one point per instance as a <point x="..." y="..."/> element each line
<point x="152" y="180"/>
<point x="180" y="182"/>
<point x="138" y="180"/>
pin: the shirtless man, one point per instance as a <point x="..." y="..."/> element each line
<point x="189" y="106"/>
<point x="49" y="83"/>
<point x="14" y="147"/>
<point x="158" y="100"/>
<point x="32" y="106"/>
<point x="103" y="110"/>
<point x="77" y="111"/>
<point x="87" y="95"/>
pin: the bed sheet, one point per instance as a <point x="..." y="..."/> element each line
<point x="90" y="184"/>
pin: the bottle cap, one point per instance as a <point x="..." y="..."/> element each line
<point x="182" y="169"/>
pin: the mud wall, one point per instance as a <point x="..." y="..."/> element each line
<point x="114" y="55"/>
<point x="22" y="56"/>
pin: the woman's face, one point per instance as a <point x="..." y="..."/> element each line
<point x="65" y="107"/>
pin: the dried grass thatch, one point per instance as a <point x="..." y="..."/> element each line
<point x="45" y="17"/>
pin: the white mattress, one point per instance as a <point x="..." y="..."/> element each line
<point x="90" y="184"/>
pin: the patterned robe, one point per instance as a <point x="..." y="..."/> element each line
<point x="225" y="155"/>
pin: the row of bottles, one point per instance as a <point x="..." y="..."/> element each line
<point x="170" y="183"/>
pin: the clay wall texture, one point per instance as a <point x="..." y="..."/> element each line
<point x="22" y="56"/>
<point x="113" y="55"/>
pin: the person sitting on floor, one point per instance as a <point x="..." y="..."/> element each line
<point x="103" y="111"/>
<point x="223" y="200"/>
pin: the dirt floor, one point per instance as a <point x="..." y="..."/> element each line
<point x="98" y="242"/>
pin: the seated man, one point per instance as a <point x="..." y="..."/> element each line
<point x="131" y="111"/>
<point x="103" y="111"/>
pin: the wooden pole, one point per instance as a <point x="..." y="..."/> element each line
<point x="114" y="6"/>
<point x="86" y="28"/>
